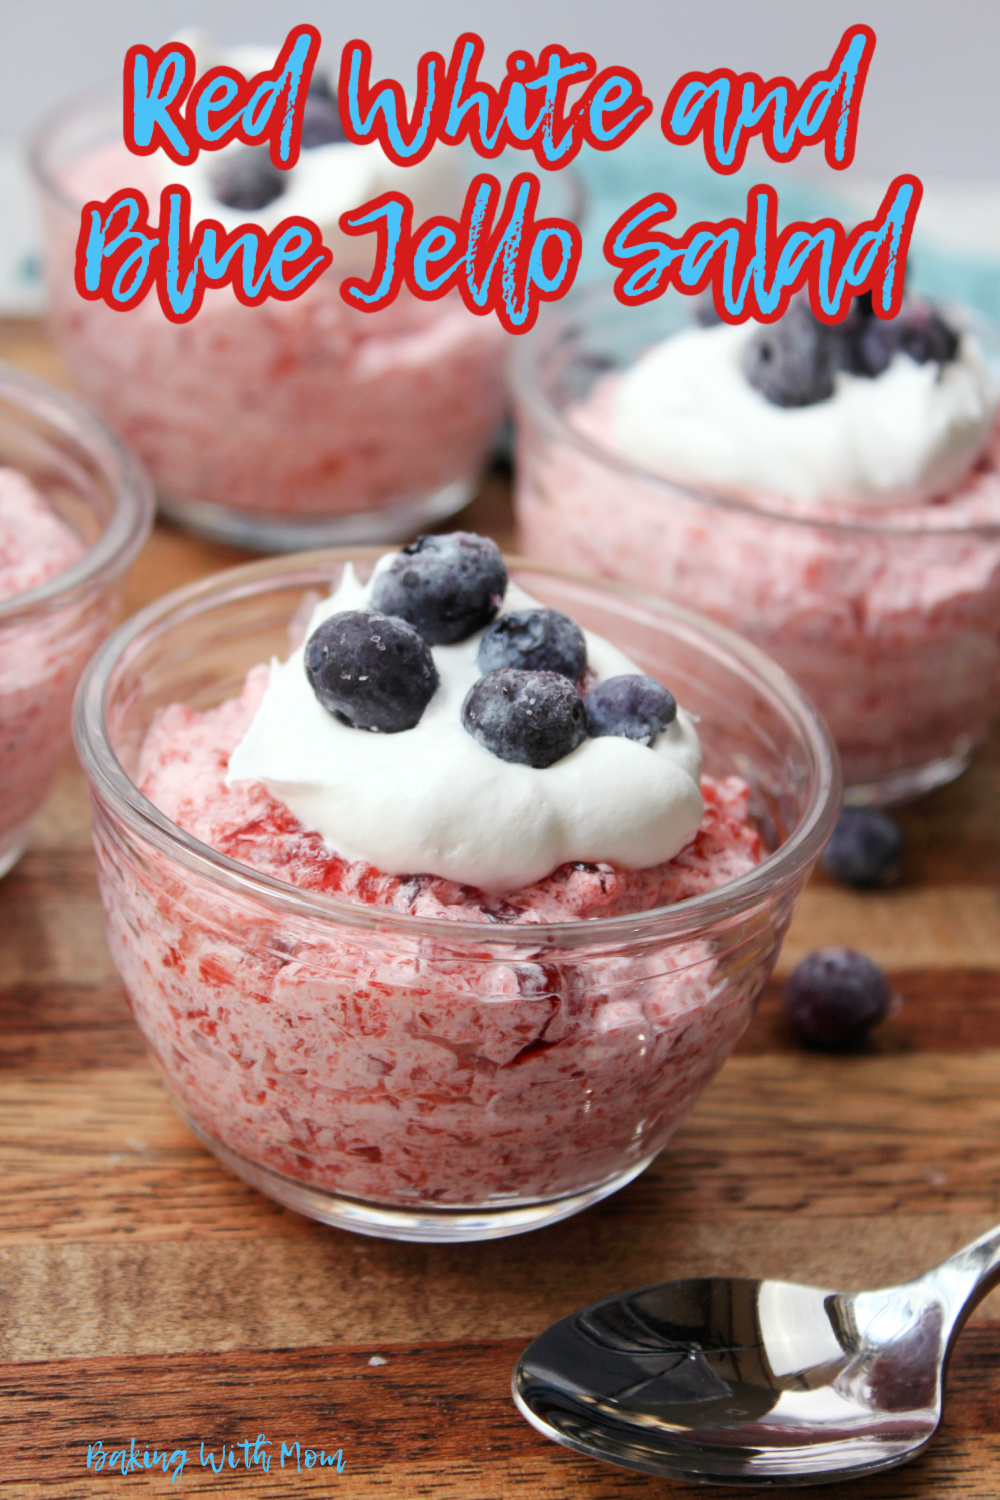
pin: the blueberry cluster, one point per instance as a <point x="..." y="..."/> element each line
<point x="373" y="669"/>
<point x="536" y="717"/>
<point x="794" y="362"/>
<point x="247" y="179"/>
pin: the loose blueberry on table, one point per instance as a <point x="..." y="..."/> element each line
<point x="866" y="849"/>
<point x="834" y="997"/>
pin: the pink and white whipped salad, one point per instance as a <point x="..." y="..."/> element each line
<point x="832" y="493"/>
<point x="438" y="746"/>
<point x="305" y="408"/>
<point x="40" y="656"/>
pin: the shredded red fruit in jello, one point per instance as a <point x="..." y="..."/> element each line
<point x="183" y="772"/>
<point x="35" y="544"/>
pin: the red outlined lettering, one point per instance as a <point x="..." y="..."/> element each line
<point x="121" y="257"/>
<point x="155" y="83"/>
<point x="378" y="113"/>
<point x="529" y="111"/>
<point x="729" y="109"/>
<point x="752" y="270"/>
<point x="390" y="217"/>
<point x="267" y="107"/>
<point x="497" y="255"/>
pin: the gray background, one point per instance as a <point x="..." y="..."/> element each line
<point x="932" y="104"/>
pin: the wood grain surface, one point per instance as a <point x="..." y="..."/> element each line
<point x="147" y="1295"/>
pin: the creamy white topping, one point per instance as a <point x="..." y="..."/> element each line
<point x="430" y="800"/>
<point x="686" y="411"/>
<point x="325" y="182"/>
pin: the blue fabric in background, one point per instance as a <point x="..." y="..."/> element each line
<point x="647" y="163"/>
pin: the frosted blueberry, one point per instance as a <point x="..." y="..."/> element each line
<point x="919" y="331"/>
<point x="632" y="707"/>
<point x="535" y="640"/>
<point x="869" y="344"/>
<point x="447" y="587"/>
<point x="792" y="362"/>
<point x="370" y="671"/>
<point x="834" y="997"/>
<point x="247" y="179"/>
<point x="533" y="718"/>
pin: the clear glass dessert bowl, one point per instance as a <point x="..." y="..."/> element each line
<point x="422" y="1078"/>
<point x="99" y="493"/>
<point x="888" y="617"/>
<point x="295" y="424"/>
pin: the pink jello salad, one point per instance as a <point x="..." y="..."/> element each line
<point x="386" y="1065"/>
<point x="39" y="666"/>
<point x="863" y="547"/>
<point x="306" y="409"/>
<point x="183" y="770"/>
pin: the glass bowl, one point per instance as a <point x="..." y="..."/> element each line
<point x="418" y="1078"/>
<point x="47" y="633"/>
<point x="295" y="424"/>
<point x="891" y="626"/>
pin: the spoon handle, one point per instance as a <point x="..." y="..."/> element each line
<point x="964" y="1279"/>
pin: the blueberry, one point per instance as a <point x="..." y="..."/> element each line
<point x="633" y="707"/>
<point x="834" y="997"/>
<point x="792" y="362"/>
<point x="370" y="671"/>
<point x="447" y="587"/>
<point x="919" y="331"/>
<point x="320" y="116"/>
<point x="850" y="333"/>
<point x="534" y="718"/>
<point x="866" y="849"/>
<point x="536" y="640"/>
<point x="925" y="336"/>
<point x="247" y="179"/>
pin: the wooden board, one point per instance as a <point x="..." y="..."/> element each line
<point x="147" y="1295"/>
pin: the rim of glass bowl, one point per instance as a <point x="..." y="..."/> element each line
<point x="534" y="349"/>
<point x="106" y="99"/>
<point x="311" y="569"/>
<point x="132" y="516"/>
<point x="101" y="98"/>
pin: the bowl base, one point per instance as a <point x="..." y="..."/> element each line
<point x="908" y="784"/>
<point x="420" y="1224"/>
<point x="263" y="531"/>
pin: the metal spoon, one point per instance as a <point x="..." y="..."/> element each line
<point x="721" y="1381"/>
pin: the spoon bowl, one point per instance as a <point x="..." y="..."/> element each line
<point x="732" y="1381"/>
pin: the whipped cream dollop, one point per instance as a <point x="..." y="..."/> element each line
<point x="686" y="411"/>
<point x="430" y="800"/>
<point x="325" y="182"/>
